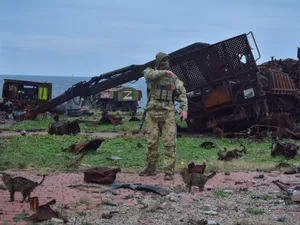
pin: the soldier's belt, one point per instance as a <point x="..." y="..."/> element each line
<point x="158" y="116"/>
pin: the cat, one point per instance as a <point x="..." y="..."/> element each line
<point x="20" y="184"/>
<point x="195" y="179"/>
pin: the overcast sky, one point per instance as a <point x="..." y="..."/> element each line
<point x="90" y="37"/>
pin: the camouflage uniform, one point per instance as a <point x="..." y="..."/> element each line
<point x="163" y="90"/>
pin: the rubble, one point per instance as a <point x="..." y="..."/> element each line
<point x="6" y="119"/>
<point x="110" y="119"/>
<point x="293" y="170"/>
<point x="130" y="206"/>
<point x="289" y="150"/>
<point x="44" y="213"/>
<point x="101" y="175"/>
<point x="208" y="145"/>
<point x="296" y="196"/>
<point x="64" y="128"/>
<point x="232" y="154"/>
<point x="280" y="185"/>
<point x="142" y="187"/>
<point x="83" y="147"/>
<point x="56" y="221"/>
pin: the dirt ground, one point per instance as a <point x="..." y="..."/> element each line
<point x="87" y="205"/>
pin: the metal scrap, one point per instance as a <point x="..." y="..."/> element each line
<point x="110" y="119"/>
<point x="280" y="185"/>
<point x="64" y="128"/>
<point x="101" y="175"/>
<point x="289" y="150"/>
<point x="293" y="170"/>
<point x="208" y="145"/>
<point x="142" y="187"/>
<point x="83" y="147"/>
<point x="274" y="95"/>
<point x="43" y="213"/>
<point x="232" y="154"/>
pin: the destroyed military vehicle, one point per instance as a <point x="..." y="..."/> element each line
<point x="117" y="98"/>
<point x="225" y="87"/>
<point x="25" y="95"/>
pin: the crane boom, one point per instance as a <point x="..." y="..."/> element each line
<point x="103" y="82"/>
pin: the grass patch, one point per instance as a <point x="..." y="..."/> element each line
<point x="266" y="197"/>
<point x="255" y="211"/>
<point x="258" y="154"/>
<point x="21" y="216"/>
<point x="42" y="123"/>
<point x="31" y="125"/>
<point x="290" y="202"/>
<point x="37" y="152"/>
<point x="219" y="193"/>
<point x="44" y="153"/>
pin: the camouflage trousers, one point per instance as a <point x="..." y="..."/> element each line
<point x="161" y="123"/>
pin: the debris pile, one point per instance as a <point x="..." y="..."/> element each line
<point x="101" y="175"/>
<point x="83" y="147"/>
<point x="110" y="119"/>
<point x="64" y="128"/>
<point x="2" y="117"/>
<point x="208" y="145"/>
<point x="274" y="106"/>
<point x="232" y="154"/>
<point x="294" y="170"/>
<point x="44" y="213"/>
<point x="288" y="150"/>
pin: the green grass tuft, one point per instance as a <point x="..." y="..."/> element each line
<point x="255" y="211"/>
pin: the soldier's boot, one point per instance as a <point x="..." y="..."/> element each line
<point x="149" y="171"/>
<point x="169" y="163"/>
<point x="169" y="172"/>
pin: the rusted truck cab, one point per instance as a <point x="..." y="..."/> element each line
<point x="25" y="94"/>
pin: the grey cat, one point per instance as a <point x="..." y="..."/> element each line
<point x="20" y="184"/>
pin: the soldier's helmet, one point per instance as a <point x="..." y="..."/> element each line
<point x="159" y="57"/>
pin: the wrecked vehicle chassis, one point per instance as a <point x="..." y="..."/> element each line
<point x="226" y="88"/>
<point x="222" y="84"/>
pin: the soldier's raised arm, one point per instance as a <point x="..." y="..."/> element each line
<point x="151" y="74"/>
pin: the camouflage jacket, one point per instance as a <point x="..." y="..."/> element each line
<point x="152" y="78"/>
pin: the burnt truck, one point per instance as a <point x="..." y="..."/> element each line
<point x="116" y="98"/>
<point x="24" y="94"/>
<point x="225" y="86"/>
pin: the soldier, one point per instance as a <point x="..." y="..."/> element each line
<point x="164" y="87"/>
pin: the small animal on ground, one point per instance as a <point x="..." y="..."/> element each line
<point x="195" y="179"/>
<point x="20" y="184"/>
